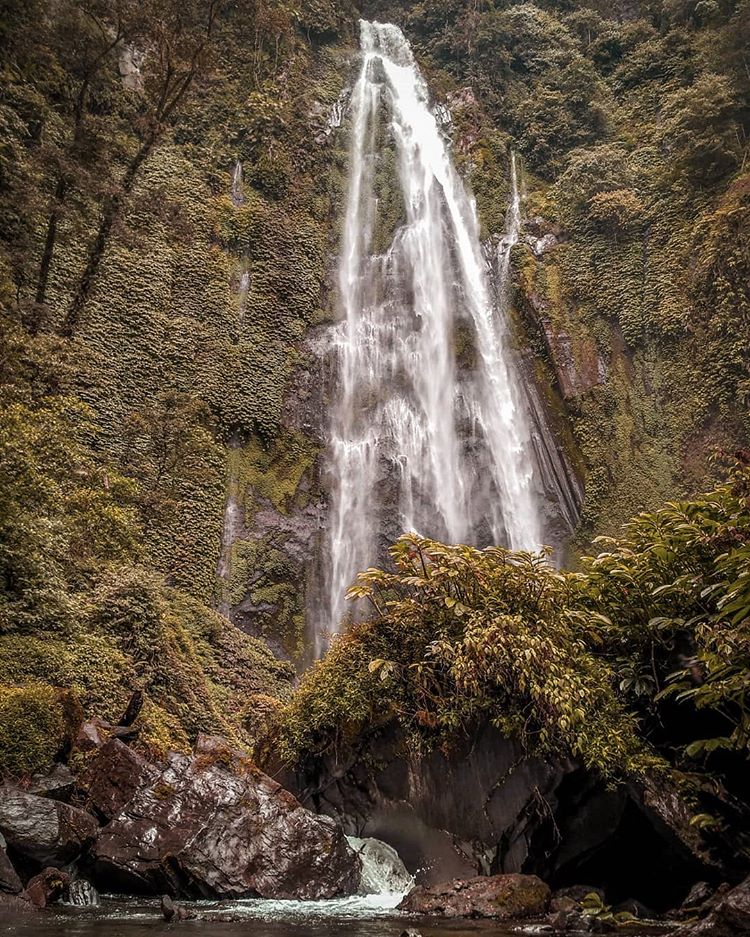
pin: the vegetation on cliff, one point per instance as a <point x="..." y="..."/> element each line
<point x="133" y="363"/>
<point x="640" y="661"/>
<point x="633" y="124"/>
<point x="154" y="315"/>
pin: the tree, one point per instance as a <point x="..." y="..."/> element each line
<point x="177" y="41"/>
<point x="701" y="130"/>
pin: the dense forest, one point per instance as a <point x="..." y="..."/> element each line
<point x="172" y="182"/>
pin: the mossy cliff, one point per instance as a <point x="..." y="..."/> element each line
<point x="171" y="187"/>
<point x="180" y="256"/>
<point x="632" y="278"/>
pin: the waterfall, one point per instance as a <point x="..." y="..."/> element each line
<point x="82" y="894"/>
<point x="561" y="487"/>
<point x="419" y="440"/>
<point x="383" y="872"/>
<point x="238" y="185"/>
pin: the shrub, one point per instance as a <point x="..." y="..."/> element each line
<point x="460" y="636"/>
<point x="36" y="723"/>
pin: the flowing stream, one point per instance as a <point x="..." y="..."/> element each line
<point x="430" y="429"/>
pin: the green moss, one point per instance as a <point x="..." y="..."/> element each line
<point x="274" y="473"/>
<point x="36" y="723"/>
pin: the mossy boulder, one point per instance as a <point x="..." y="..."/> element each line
<point x="37" y="723"/>
<point x="502" y="897"/>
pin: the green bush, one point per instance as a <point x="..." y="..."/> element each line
<point x="37" y="723"/>
<point x="460" y="636"/>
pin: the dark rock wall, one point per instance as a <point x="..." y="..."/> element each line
<point x="484" y="808"/>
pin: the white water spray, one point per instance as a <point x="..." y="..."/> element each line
<point x="417" y="442"/>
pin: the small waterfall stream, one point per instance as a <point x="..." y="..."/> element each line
<point x="430" y="429"/>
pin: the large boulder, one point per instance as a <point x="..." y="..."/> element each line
<point x="214" y="825"/>
<point x="114" y="776"/>
<point x="45" y="831"/>
<point x="730" y="916"/>
<point x="502" y="897"/>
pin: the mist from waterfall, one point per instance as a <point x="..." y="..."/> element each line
<point x="419" y="440"/>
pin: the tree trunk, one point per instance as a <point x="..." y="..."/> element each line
<point x="110" y="214"/>
<point x="49" y="241"/>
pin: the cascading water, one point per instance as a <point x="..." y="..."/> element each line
<point x="417" y="442"/>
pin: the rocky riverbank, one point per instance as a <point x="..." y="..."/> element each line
<point x="211" y="824"/>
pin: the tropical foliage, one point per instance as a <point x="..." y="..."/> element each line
<point x="577" y="663"/>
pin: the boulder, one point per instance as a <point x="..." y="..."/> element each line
<point x="48" y="887"/>
<point x="97" y="732"/>
<point x="383" y="871"/>
<point x="501" y="897"/>
<point x="15" y="904"/>
<point x="10" y="883"/>
<point x="175" y="912"/>
<point x="91" y="735"/>
<point x="82" y="894"/>
<point x="113" y="777"/>
<point x="730" y="916"/>
<point x="59" y="783"/>
<point x="46" y="831"/>
<point x="213" y="825"/>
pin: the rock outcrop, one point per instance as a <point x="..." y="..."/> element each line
<point x="43" y="830"/>
<point x="113" y="778"/>
<point x="213" y="825"/>
<point x="10" y="883"/>
<point x="729" y="916"/>
<point x="448" y="816"/>
<point x="485" y="807"/>
<point x="502" y="897"/>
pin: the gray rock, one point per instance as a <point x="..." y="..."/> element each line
<point x="214" y="825"/>
<point x="82" y="894"/>
<point x="47" y="831"/>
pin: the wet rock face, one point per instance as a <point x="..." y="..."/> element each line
<point x="485" y="807"/>
<point x="729" y="916"/>
<point x="502" y="897"/>
<point x="114" y="777"/>
<point x="46" y="831"/>
<point x="448" y="816"/>
<point x="213" y="825"/>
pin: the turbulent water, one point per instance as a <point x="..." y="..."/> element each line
<point x="429" y="429"/>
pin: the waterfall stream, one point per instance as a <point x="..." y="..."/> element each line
<point x="429" y="426"/>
